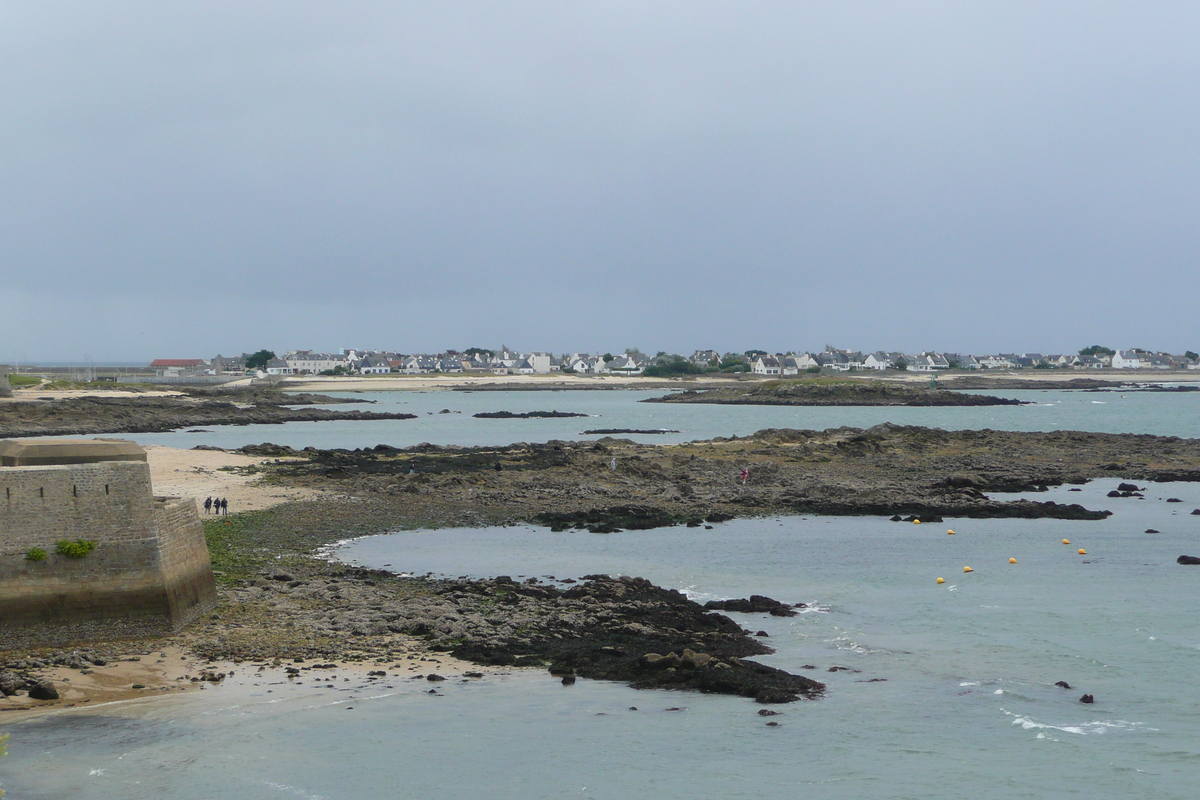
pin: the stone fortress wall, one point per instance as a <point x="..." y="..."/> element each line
<point x="149" y="572"/>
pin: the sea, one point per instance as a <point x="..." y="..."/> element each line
<point x="936" y="690"/>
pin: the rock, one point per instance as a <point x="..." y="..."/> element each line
<point x="1128" y="487"/>
<point x="693" y="660"/>
<point x="1174" y="500"/>
<point x="766" y="712"/>
<point x="1114" y="493"/>
<point x="1187" y="560"/>
<point x="774" y="696"/>
<point x="472" y="674"/>
<point x="434" y="677"/>
<point x="772" y="724"/>
<point x="1087" y="698"/>
<point x="763" y="634"/>
<point x="1196" y="512"/>
<point x="568" y="680"/>
<point x="1151" y="530"/>
<point x="1062" y="684"/>
<point x="656" y="661"/>
<point x="43" y="690"/>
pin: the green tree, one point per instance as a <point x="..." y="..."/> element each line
<point x="1192" y="355"/>
<point x="259" y="360"/>
<point x="1097" y="350"/>
<point x="478" y="351"/>
<point x="607" y="357"/>
<point x="671" y="366"/>
<point x="753" y="354"/>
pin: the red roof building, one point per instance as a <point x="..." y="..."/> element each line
<point x="168" y="363"/>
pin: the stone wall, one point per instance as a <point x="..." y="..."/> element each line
<point x="149" y="572"/>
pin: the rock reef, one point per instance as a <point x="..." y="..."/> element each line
<point x="826" y="392"/>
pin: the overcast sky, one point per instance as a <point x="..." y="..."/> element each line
<point x="181" y="179"/>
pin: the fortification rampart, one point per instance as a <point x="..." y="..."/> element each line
<point x="147" y="573"/>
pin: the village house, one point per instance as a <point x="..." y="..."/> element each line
<point x="374" y="364"/>
<point x="766" y="365"/>
<point x="308" y="362"/>
<point x="277" y="366"/>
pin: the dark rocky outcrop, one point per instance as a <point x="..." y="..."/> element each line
<point x="1193" y="560"/>
<point x="756" y="603"/>
<point x="612" y="519"/>
<point x="43" y="690"/>
<point x="93" y="415"/>
<point x="619" y="431"/>
<point x="624" y="629"/>
<point x="827" y="392"/>
<point x="526" y="415"/>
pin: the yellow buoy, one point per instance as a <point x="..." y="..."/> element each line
<point x="1012" y="561"/>
<point x="1082" y="552"/>
<point x="916" y="522"/>
<point x="941" y="580"/>
<point x="1066" y="541"/>
<point x="967" y="569"/>
<point x="950" y="532"/>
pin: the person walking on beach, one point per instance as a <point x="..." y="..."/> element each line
<point x="207" y="504"/>
<point x="225" y="506"/>
<point x="745" y="474"/>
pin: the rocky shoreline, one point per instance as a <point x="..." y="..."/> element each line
<point x="885" y="470"/>
<point x="100" y="415"/>
<point x="826" y="392"/>
<point x="281" y="599"/>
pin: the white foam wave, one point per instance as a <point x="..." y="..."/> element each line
<point x="1095" y="727"/>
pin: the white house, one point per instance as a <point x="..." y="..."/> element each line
<point x="878" y="361"/>
<point x="766" y="365"/>
<point x="1127" y="359"/>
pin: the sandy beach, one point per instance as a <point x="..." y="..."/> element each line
<point x="215" y="473"/>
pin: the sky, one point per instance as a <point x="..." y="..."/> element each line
<point x="191" y="178"/>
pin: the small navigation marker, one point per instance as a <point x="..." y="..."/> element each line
<point x="1012" y="561"/>
<point x="950" y="532"/>
<point x="1066" y="541"/>
<point x="967" y="569"/>
<point x="1082" y="552"/>
<point x="941" y="580"/>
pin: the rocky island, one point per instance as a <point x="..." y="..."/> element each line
<point x="832" y="392"/>
<point x="50" y="416"/>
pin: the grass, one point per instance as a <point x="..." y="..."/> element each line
<point x="18" y="381"/>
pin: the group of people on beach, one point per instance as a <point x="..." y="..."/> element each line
<point x="216" y="505"/>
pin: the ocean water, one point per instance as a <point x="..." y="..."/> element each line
<point x="1106" y="412"/>
<point x="967" y="704"/>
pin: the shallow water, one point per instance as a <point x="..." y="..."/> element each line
<point x="969" y="704"/>
<point x="1105" y="412"/>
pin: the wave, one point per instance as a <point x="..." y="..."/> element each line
<point x="1095" y="727"/>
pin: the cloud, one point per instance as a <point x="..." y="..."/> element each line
<point x="673" y="175"/>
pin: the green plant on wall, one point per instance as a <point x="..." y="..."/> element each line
<point x="35" y="554"/>
<point x="76" y="549"/>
